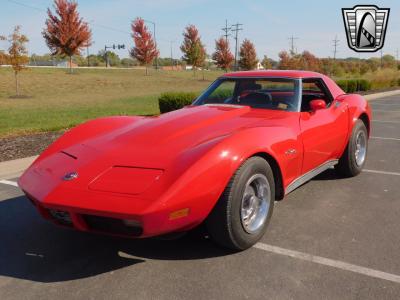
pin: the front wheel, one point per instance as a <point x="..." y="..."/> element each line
<point x="242" y="213"/>
<point x="353" y="159"/>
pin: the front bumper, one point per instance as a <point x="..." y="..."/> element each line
<point x="121" y="222"/>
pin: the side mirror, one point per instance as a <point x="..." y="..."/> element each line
<point x="317" y="104"/>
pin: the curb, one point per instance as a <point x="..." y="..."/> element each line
<point x="381" y="95"/>
<point x="13" y="168"/>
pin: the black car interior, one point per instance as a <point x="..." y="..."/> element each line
<point x="313" y="89"/>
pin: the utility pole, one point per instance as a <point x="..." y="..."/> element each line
<point x="172" y="58"/>
<point x="292" y="39"/>
<point x="397" y="57"/>
<point x="236" y="28"/>
<point x="335" y="45"/>
<point x="226" y="29"/>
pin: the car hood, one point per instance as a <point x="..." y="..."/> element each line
<point x="131" y="158"/>
<point x="154" y="142"/>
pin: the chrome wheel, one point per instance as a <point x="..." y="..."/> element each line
<point x="361" y="148"/>
<point x="256" y="202"/>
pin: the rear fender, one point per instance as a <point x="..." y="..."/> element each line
<point x="358" y="108"/>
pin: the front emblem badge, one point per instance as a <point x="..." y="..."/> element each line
<point x="70" y="176"/>
<point x="365" y="27"/>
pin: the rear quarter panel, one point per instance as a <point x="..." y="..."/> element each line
<point x="357" y="106"/>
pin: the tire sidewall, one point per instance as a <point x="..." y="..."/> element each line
<point x="359" y="126"/>
<point x="241" y="238"/>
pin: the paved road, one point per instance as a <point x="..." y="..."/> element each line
<point x="332" y="238"/>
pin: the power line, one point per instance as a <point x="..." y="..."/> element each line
<point x="26" y="5"/>
<point x="292" y="39"/>
<point x="226" y="29"/>
<point x="335" y="45"/>
<point x="92" y="23"/>
<point x="236" y="28"/>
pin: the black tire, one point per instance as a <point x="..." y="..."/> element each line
<point x="224" y="223"/>
<point x="347" y="165"/>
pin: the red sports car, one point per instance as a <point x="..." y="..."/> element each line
<point x="248" y="140"/>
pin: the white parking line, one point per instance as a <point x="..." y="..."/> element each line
<point x="382" y="121"/>
<point x="381" y="172"/>
<point x="378" y="103"/>
<point x="8" y="182"/>
<point x="329" y="262"/>
<point x="384" y="138"/>
<point x="381" y="110"/>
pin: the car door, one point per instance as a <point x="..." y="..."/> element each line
<point x="324" y="131"/>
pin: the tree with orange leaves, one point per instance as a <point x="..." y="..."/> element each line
<point x="145" y="50"/>
<point x="66" y="33"/>
<point x="248" y="56"/>
<point x="17" y="55"/>
<point x="194" y="52"/>
<point x="222" y="55"/>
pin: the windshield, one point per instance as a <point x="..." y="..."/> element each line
<point x="267" y="93"/>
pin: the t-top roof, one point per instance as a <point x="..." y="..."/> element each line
<point x="275" y="73"/>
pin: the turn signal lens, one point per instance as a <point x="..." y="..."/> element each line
<point x="179" y="214"/>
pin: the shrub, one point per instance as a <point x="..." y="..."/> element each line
<point x="351" y="86"/>
<point x="363" y="85"/>
<point x="342" y="84"/>
<point x="383" y="78"/>
<point x="175" y="100"/>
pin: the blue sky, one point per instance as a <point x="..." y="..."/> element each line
<point x="267" y="23"/>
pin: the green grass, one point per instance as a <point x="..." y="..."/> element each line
<point x="58" y="100"/>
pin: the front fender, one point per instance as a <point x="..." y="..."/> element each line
<point x="202" y="183"/>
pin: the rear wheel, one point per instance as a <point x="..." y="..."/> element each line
<point x="241" y="215"/>
<point x="353" y="159"/>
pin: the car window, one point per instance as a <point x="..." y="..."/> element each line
<point x="274" y="85"/>
<point x="313" y="88"/>
<point x="223" y="93"/>
<point x="268" y="93"/>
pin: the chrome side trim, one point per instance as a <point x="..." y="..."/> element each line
<point x="309" y="175"/>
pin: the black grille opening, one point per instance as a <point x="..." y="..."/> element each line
<point x="61" y="217"/>
<point x="111" y="225"/>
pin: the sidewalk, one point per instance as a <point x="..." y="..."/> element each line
<point x="14" y="168"/>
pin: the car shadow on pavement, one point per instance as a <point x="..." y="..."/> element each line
<point x="330" y="174"/>
<point x="37" y="250"/>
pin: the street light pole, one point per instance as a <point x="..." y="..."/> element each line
<point x="122" y="46"/>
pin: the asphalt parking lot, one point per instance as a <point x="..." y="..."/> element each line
<point x="332" y="238"/>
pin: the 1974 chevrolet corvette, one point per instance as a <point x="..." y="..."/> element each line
<point x="248" y="140"/>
